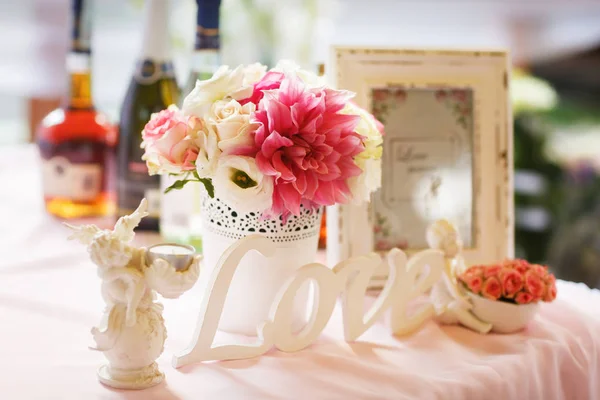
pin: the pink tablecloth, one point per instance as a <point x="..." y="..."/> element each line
<point x="49" y="300"/>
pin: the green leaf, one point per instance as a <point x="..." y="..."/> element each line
<point x="177" y="185"/>
<point x="210" y="189"/>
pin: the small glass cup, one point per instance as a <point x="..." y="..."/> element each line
<point x="180" y="256"/>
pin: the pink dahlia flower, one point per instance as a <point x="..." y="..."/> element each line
<point x="271" y="80"/>
<point x="306" y="145"/>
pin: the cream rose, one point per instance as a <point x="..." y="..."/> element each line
<point x="366" y="183"/>
<point x="231" y="121"/>
<point x="369" y="128"/>
<point x="369" y="160"/>
<point x="206" y="140"/>
<point x="225" y="83"/>
<point x="254" y="73"/>
<point x="239" y="183"/>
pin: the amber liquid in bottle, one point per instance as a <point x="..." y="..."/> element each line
<point x="76" y="143"/>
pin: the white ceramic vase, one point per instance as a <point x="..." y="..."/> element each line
<point x="257" y="279"/>
<point x="504" y="317"/>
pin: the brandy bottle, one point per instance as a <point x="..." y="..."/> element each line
<point x="76" y="142"/>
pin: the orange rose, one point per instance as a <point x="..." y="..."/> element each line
<point x="492" y="270"/>
<point x="492" y="289"/>
<point x="512" y="282"/>
<point x="550" y="282"/>
<point x="473" y="282"/>
<point x="523" y="298"/>
<point x="534" y="285"/>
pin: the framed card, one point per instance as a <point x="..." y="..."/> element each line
<point x="447" y="151"/>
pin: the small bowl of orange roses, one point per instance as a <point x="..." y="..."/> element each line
<point x="507" y="294"/>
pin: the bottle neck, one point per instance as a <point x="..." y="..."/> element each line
<point x="80" y="80"/>
<point x="79" y="59"/>
<point x="206" y="57"/>
<point x="156" y="42"/>
<point x="204" y="63"/>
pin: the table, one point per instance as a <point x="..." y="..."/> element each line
<point x="50" y="299"/>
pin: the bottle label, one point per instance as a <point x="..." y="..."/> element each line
<point x="207" y="39"/>
<point x="153" y="198"/>
<point x="135" y="184"/>
<point x="148" y="71"/>
<point x="207" y="22"/>
<point x="77" y="182"/>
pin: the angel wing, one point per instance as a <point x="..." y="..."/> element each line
<point x="83" y="233"/>
<point x="170" y="283"/>
<point x="125" y="225"/>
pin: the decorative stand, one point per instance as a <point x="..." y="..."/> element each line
<point x="132" y="332"/>
<point x="452" y="305"/>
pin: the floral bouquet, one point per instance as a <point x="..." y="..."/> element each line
<point x="268" y="142"/>
<point x="512" y="281"/>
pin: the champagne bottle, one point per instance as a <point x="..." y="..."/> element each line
<point x="180" y="220"/>
<point x="76" y="142"/>
<point x="206" y="57"/>
<point x="152" y="89"/>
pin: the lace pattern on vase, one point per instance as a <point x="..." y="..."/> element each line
<point x="220" y="219"/>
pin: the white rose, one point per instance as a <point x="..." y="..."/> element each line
<point x="225" y="83"/>
<point x="206" y="140"/>
<point x="366" y="183"/>
<point x="254" y="73"/>
<point x="239" y="183"/>
<point x="231" y="121"/>
<point x="291" y="68"/>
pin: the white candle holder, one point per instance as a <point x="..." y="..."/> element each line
<point x="132" y="332"/>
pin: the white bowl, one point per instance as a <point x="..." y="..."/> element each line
<point x="504" y="317"/>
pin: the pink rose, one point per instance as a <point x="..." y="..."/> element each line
<point x="492" y="289"/>
<point x="523" y="298"/>
<point x="168" y="147"/>
<point x="473" y="282"/>
<point x="534" y="285"/>
<point x="160" y="123"/>
<point x="512" y="282"/>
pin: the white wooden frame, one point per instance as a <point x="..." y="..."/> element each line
<point x="349" y="227"/>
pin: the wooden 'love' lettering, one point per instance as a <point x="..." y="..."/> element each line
<point x="349" y="278"/>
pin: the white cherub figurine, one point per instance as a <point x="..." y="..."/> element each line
<point x="449" y="299"/>
<point x="132" y="332"/>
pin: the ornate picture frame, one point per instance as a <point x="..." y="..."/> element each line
<point x="447" y="150"/>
